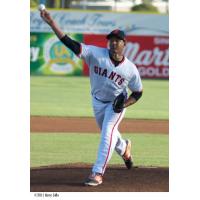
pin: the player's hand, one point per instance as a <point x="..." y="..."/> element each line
<point x="46" y="17"/>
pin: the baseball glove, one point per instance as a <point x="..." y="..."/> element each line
<point x="118" y="104"/>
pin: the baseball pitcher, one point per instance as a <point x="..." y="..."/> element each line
<point x="111" y="75"/>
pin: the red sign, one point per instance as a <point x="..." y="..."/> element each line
<point x="149" y="53"/>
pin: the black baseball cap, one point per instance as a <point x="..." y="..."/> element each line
<point x="117" y="33"/>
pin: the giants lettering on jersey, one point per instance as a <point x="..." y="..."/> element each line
<point x="112" y="76"/>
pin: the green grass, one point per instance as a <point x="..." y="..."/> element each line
<point x="61" y="148"/>
<point x="70" y="96"/>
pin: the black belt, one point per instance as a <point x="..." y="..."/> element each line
<point x="102" y="101"/>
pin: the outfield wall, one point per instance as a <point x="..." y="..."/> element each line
<point x="147" y="46"/>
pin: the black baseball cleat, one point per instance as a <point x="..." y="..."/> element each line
<point x="128" y="163"/>
<point x="127" y="155"/>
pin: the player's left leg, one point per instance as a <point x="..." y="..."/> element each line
<point x="109" y="138"/>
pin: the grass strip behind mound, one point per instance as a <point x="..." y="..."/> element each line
<point x="61" y="148"/>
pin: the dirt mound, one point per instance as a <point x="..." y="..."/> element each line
<point x="70" y="178"/>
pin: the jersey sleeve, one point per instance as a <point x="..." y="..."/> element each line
<point x="135" y="84"/>
<point x="86" y="53"/>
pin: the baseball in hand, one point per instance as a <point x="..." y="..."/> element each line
<point x="41" y="7"/>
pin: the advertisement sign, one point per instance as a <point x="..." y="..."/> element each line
<point x="149" y="53"/>
<point x="103" y="22"/>
<point x="48" y="56"/>
<point x="147" y="41"/>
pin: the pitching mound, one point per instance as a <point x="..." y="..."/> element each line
<point x="70" y="178"/>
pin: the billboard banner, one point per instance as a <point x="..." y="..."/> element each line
<point x="149" y="53"/>
<point x="103" y="22"/>
<point x="48" y="56"/>
<point x="147" y="41"/>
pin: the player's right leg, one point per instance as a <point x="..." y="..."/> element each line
<point x="121" y="144"/>
<point x="123" y="148"/>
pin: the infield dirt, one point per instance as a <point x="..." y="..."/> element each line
<point x="88" y="125"/>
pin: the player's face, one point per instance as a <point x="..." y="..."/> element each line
<point x="116" y="45"/>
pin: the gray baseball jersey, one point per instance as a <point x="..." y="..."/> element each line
<point x="108" y="81"/>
